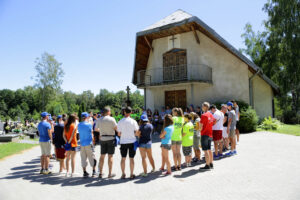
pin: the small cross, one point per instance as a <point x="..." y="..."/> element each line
<point x="173" y="39"/>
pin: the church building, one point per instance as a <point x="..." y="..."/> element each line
<point x="180" y="61"/>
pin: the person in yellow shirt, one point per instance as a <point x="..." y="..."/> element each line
<point x="187" y="139"/>
<point x="177" y="137"/>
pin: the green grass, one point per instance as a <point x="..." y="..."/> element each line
<point x="11" y="148"/>
<point x="288" y="129"/>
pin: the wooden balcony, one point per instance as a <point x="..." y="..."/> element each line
<point x="173" y="75"/>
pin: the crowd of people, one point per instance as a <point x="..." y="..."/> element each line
<point x="185" y="131"/>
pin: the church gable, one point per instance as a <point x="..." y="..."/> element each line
<point x="171" y="29"/>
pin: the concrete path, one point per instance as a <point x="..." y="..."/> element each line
<point x="267" y="167"/>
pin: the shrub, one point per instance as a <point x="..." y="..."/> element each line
<point x="248" y="120"/>
<point x="269" y="124"/>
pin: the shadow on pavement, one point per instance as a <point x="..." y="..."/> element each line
<point x="30" y="171"/>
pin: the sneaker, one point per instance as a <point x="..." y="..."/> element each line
<point x="234" y="152"/>
<point x="216" y="157"/>
<point x="67" y="174"/>
<point x="72" y="175"/>
<point x="179" y="168"/>
<point x="229" y="153"/>
<point x="41" y="171"/>
<point x="143" y="174"/>
<point x="152" y="171"/>
<point x="94" y="174"/>
<point x="195" y="159"/>
<point x="206" y="167"/>
<point x="46" y="171"/>
<point x="220" y="155"/>
<point x="161" y="169"/>
<point x="174" y="168"/>
<point x="211" y="165"/>
<point x="100" y="175"/>
<point x="85" y="174"/>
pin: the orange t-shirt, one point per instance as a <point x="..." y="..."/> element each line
<point x="69" y="134"/>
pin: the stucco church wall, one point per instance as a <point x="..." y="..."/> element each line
<point x="229" y="74"/>
<point x="262" y="97"/>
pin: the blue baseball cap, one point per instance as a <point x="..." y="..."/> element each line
<point x="230" y="104"/>
<point x="85" y="115"/>
<point x="59" y="116"/>
<point x="45" y="114"/>
<point x="144" y="118"/>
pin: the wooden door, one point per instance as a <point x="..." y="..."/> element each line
<point x="175" y="65"/>
<point x="176" y="98"/>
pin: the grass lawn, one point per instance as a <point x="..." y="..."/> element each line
<point x="11" y="148"/>
<point x="288" y="129"/>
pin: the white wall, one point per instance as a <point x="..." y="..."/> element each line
<point x="230" y="75"/>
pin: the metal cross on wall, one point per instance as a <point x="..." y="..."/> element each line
<point x="173" y="39"/>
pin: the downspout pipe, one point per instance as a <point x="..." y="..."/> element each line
<point x="251" y="87"/>
<point x="145" y="97"/>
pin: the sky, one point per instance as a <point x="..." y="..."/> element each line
<point x="95" y="40"/>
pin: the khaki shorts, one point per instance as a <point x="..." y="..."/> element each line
<point x="45" y="148"/>
<point x="232" y="133"/>
<point x="86" y="152"/>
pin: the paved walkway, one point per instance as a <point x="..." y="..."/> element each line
<point x="267" y="167"/>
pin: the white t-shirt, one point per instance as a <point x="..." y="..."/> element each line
<point x="219" y="116"/>
<point x="127" y="126"/>
<point x="237" y="110"/>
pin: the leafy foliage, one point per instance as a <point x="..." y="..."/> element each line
<point x="276" y="50"/>
<point x="269" y="124"/>
<point x="26" y="105"/>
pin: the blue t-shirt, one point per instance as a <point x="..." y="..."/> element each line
<point x="167" y="139"/>
<point x="85" y="133"/>
<point x="43" y="128"/>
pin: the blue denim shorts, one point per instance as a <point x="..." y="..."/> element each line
<point x="146" y="146"/>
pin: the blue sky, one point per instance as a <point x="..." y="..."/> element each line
<point x="95" y="40"/>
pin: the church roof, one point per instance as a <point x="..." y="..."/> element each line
<point x="180" y="22"/>
<point x="176" y="16"/>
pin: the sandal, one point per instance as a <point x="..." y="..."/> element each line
<point x="111" y="176"/>
<point x="123" y="176"/>
<point x="132" y="176"/>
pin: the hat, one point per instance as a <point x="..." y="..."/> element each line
<point x="59" y="116"/>
<point x="230" y="104"/>
<point x="144" y="118"/>
<point x="85" y="115"/>
<point x="44" y="114"/>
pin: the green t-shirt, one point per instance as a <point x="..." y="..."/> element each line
<point x="178" y="123"/>
<point x="188" y="129"/>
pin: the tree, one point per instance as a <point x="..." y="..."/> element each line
<point x="277" y="49"/>
<point x="49" y="77"/>
<point x="284" y="24"/>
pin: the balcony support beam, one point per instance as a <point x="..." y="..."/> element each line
<point x="148" y="43"/>
<point x="195" y="34"/>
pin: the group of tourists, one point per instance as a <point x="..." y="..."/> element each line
<point x="186" y="131"/>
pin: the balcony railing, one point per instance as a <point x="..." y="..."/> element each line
<point x="174" y="74"/>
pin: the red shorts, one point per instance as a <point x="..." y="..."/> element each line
<point x="60" y="153"/>
<point x="217" y="135"/>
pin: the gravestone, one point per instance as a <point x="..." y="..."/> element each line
<point x="9" y="138"/>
